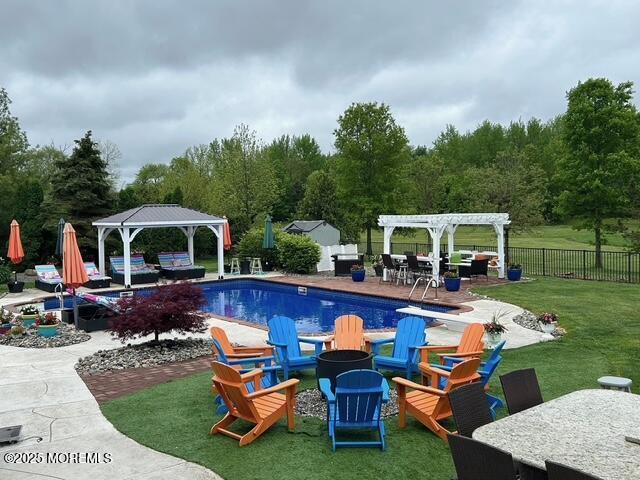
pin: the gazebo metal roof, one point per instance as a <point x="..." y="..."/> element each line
<point x="159" y="215"/>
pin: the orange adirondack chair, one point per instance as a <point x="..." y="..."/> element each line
<point x="348" y="335"/>
<point x="431" y="405"/>
<point x="232" y="352"/>
<point x="263" y="407"/>
<point x="471" y="345"/>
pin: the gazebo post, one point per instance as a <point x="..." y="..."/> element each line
<point x="220" y="233"/>
<point x="191" y="231"/>
<point x="451" y="230"/>
<point x="126" y="243"/>
<point x="436" y="234"/>
<point x="388" y="231"/>
<point x="101" y="237"/>
<point x="499" y="228"/>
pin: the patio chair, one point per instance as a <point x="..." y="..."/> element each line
<point x="262" y="407"/>
<point x="410" y="336"/>
<point x="356" y="404"/>
<point x="48" y="278"/>
<point x="557" y="471"/>
<point x="475" y="460"/>
<point x="414" y="267"/>
<point x="140" y="272"/>
<point x="390" y="267"/>
<point x="431" y="405"/>
<point x="471" y="345"/>
<point x="96" y="279"/>
<point x="348" y="334"/>
<point x="521" y="390"/>
<point x="475" y="269"/>
<point x="283" y="336"/>
<point x="470" y="408"/>
<point x="178" y="266"/>
<point x="486" y="371"/>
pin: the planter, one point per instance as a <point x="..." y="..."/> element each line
<point x="379" y="269"/>
<point x="358" y="276"/>
<point x="28" y="320"/>
<point x="15" y="287"/>
<point x="5" y="328"/>
<point x="452" y="284"/>
<point x="548" y="327"/>
<point x="48" y="330"/>
<point x="493" y="339"/>
<point x="514" y="274"/>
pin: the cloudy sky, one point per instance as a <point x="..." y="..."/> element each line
<point x="156" y="76"/>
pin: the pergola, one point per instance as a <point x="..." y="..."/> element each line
<point x="436" y="225"/>
<point x="131" y="222"/>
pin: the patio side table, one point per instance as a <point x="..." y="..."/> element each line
<point x="615" y="383"/>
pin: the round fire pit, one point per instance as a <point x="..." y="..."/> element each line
<point x="334" y="362"/>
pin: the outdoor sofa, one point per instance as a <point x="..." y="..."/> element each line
<point x="140" y="271"/>
<point x="178" y="266"/>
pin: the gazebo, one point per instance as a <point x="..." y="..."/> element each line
<point x="436" y="225"/>
<point x="131" y="222"/>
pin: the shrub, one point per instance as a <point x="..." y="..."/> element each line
<point x="5" y="273"/>
<point x="168" y="308"/>
<point x="297" y="253"/>
<point x="251" y="246"/>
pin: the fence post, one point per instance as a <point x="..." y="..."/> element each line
<point x="544" y="262"/>
<point x="416" y="250"/>
<point x="584" y="264"/>
<point x="629" y="266"/>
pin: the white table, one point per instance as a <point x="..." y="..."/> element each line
<point x="584" y="430"/>
<point x="421" y="258"/>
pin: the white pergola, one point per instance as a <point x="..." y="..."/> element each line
<point x="437" y="225"/>
<point x="131" y="222"/>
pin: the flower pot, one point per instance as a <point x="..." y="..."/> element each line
<point x="28" y="320"/>
<point x="493" y="339"/>
<point x="452" y="284"/>
<point x="358" y="276"/>
<point x="15" y="287"/>
<point x="514" y="274"/>
<point x="548" y="327"/>
<point x="5" y="328"/>
<point x="48" y="330"/>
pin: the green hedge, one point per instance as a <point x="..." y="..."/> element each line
<point x="251" y="246"/>
<point x="297" y="253"/>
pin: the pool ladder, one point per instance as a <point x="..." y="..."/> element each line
<point x="428" y="282"/>
<point x="60" y="295"/>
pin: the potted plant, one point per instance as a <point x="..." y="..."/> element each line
<point x="47" y="325"/>
<point x="29" y="315"/>
<point x="494" y="330"/>
<point x="451" y="281"/>
<point x="514" y="272"/>
<point x="13" y="285"/>
<point x="548" y="322"/>
<point x="377" y="264"/>
<point x="6" y="319"/>
<point x="17" y="330"/>
<point x="357" y="273"/>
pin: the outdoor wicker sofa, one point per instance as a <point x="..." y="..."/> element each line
<point x="178" y="266"/>
<point x="140" y="271"/>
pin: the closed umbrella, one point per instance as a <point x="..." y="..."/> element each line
<point x="73" y="272"/>
<point x="227" y="235"/>
<point x="268" y="241"/>
<point x="15" y="253"/>
<point x="60" y="238"/>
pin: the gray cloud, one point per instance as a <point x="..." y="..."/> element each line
<point x="155" y="77"/>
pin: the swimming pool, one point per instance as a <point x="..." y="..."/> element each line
<point x="314" y="311"/>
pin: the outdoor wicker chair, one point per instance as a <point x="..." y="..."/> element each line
<point x="475" y="460"/>
<point x="557" y="471"/>
<point x="521" y="390"/>
<point x="474" y="269"/>
<point x="470" y="408"/>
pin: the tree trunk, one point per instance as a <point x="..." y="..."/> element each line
<point x="598" y="232"/>
<point x="369" y="249"/>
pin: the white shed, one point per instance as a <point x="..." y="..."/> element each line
<point x="321" y="232"/>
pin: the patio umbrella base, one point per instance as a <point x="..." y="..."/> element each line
<point x="15" y="287"/>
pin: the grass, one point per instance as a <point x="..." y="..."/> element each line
<point x="603" y="338"/>
<point x="4" y="289"/>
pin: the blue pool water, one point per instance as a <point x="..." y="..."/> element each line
<point x="257" y="301"/>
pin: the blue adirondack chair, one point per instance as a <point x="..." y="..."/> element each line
<point x="283" y="336"/>
<point x="486" y="370"/>
<point x="270" y="372"/>
<point x="410" y="335"/>
<point x="356" y="404"/>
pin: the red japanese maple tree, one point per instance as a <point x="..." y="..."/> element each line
<point x="172" y="307"/>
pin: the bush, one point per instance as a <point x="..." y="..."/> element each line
<point x="5" y="274"/>
<point x="297" y="253"/>
<point x="251" y="246"/>
<point x="173" y="307"/>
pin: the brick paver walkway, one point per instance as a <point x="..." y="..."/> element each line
<point x="107" y="386"/>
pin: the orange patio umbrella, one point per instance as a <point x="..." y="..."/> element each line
<point x="15" y="253"/>
<point x="227" y="235"/>
<point x="73" y="272"/>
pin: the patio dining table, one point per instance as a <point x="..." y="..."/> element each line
<point x="585" y="430"/>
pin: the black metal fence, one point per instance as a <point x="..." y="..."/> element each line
<point x="547" y="262"/>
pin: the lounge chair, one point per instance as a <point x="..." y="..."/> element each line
<point x="140" y="271"/>
<point x="96" y="279"/>
<point x="178" y="266"/>
<point x="95" y="314"/>
<point x="49" y="278"/>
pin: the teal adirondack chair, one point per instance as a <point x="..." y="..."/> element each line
<point x="410" y="335"/>
<point x="486" y="370"/>
<point x="283" y="336"/>
<point x="356" y="404"/>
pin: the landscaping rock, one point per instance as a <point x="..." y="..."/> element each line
<point x="147" y="354"/>
<point x="528" y="320"/>
<point x="67" y="335"/>
<point x="309" y="403"/>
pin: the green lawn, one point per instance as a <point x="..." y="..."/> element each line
<point x="548" y="236"/>
<point x="3" y="286"/>
<point x="603" y="338"/>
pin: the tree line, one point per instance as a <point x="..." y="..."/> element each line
<point x="581" y="167"/>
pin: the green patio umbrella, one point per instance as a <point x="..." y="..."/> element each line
<point x="60" y="239"/>
<point x="268" y="241"/>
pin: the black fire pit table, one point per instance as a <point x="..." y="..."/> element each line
<point x="332" y="363"/>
